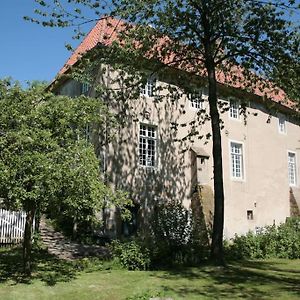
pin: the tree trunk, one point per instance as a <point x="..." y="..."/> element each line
<point x="37" y="220"/>
<point x="218" y="224"/>
<point x="27" y="243"/>
<point x="216" y="251"/>
<point x="74" y="229"/>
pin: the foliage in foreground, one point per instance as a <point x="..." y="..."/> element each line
<point x="131" y="255"/>
<point x="46" y="163"/>
<point x="172" y="242"/>
<point x="271" y="242"/>
<point x="172" y="238"/>
<point x="94" y="279"/>
<point x="176" y="237"/>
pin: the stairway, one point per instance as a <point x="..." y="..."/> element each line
<point x="58" y="245"/>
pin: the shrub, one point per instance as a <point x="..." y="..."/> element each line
<point x="174" y="237"/>
<point x="288" y="239"/>
<point x="131" y="255"/>
<point x="271" y="242"/>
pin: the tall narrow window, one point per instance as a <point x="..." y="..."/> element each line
<point x="196" y="100"/>
<point x="281" y="124"/>
<point x="236" y="153"/>
<point x="85" y="88"/>
<point x="148" y="89"/>
<point x="234" y="110"/>
<point x="292" y="168"/>
<point x="147" y="146"/>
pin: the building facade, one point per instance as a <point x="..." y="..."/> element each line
<point x="163" y="152"/>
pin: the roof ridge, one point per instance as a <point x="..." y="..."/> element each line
<point x="105" y="31"/>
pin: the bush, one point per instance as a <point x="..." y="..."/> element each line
<point x="174" y="237"/>
<point x="271" y="242"/>
<point x="288" y="239"/>
<point x="131" y="255"/>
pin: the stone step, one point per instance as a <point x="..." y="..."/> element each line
<point x="58" y="245"/>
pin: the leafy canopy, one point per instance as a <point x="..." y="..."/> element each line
<point x="260" y="36"/>
<point x="45" y="159"/>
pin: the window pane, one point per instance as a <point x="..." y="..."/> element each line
<point x="281" y="124"/>
<point x="147" y="145"/>
<point x="234" y="110"/>
<point x="149" y="88"/>
<point x="196" y="100"/>
<point x="236" y="160"/>
<point x="292" y="168"/>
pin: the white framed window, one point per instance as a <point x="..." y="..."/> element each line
<point x="196" y="100"/>
<point x="237" y="160"/>
<point x="281" y="124"/>
<point x="148" y="89"/>
<point x="292" y="168"/>
<point x="147" y="146"/>
<point x="234" y="109"/>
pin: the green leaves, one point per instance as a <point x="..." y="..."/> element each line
<point x="46" y="161"/>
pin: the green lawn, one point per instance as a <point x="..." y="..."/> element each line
<point x="54" y="279"/>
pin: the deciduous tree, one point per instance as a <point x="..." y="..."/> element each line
<point x="45" y="160"/>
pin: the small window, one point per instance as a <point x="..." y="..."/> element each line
<point x="236" y="153"/>
<point x="234" y="110"/>
<point x="85" y="88"/>
<point x="281" y="124"/>
<point x="148" y="89"/>
<point x="196" y="100"/>
<point x="292" y="168"/>
<point x="147" y="146"/>
<point x="249" y="214"/>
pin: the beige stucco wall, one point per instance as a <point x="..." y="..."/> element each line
<point x="264" y="189"/>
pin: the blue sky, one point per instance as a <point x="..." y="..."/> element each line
<point x="29" y="51"/>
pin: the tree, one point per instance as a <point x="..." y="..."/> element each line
<point x="242" y="44"/>
<point x="45" y="160"/>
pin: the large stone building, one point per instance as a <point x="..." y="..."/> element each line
<point x="156" y="158"/>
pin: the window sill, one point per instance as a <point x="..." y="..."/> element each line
<point x="147" y="168"/>
<point x="235" y="119"/>
<point x="293" y="185"/>
<point x="235" y="179"/>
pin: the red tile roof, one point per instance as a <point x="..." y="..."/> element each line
<point x="106" y="31"/>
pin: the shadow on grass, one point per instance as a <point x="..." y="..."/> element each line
<point x="45" y="267"/>
<point x="243" y="279"/>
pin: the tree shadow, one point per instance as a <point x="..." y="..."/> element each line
<point x="246" y="279"/>
<point x="169" y="179"/>
<point x="45" y="267"/>
<point x="276" y="266"/>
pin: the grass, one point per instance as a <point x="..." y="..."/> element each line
<point x="93" y="279"/>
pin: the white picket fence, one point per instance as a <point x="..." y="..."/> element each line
<point x="12" y="225"/>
